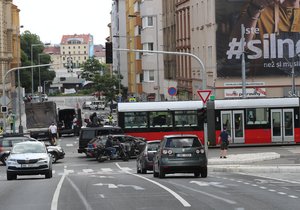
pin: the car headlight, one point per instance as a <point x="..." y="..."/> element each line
<point x="11" y="162"/>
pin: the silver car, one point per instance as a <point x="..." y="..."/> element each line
<point x="28" y="158"/>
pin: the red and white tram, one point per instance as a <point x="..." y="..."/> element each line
<point x="249" y="121"/>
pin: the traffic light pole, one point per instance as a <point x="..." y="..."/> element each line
<point x="185" y="54"/>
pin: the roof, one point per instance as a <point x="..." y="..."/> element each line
<point x="81" y="38"/>
<point x="52" y="50"/>
<point x="159" y="106"/>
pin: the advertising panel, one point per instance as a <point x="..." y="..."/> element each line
<point x="271" y="34"/>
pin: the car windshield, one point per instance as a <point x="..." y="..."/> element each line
<point x="28" y="148"/>
<point x="183" y="142"/>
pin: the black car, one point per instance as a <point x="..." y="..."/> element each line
<point x="144" y="161"/>
<point x="88" y="133"/>
<point x="7" y="141"/>
<point x="180" y="154"/>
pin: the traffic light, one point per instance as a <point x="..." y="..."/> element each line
<point x="108" y="52"/>
<point x="203" y="115"/>
<point x="4" y="109"/>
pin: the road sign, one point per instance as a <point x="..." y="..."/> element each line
<point x="204" y="94"/>
<point x="7" y="100"/>
<point x="172" y="91"/>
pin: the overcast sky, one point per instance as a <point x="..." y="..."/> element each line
<point x="50" y="19"/>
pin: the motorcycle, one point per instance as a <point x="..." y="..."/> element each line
<point x="103" y="154"/>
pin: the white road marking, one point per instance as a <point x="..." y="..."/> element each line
<point x="107" y="169"/>
<point x="101" y="196"/>
<point x="207" y="184"/>
<point x="88" y="170"/>
<point x="205" y="193"/>
<point x="81" y="196"/>
<point x="177" y="196"/>
<point x="133" y="186"/>
<point x="109" y="185"/>
<point x="69" y="145"/>
<point x="57" y="191"/>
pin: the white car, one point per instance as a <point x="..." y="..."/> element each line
<point x="95" y="105"/>
<point x="29" y="158"/>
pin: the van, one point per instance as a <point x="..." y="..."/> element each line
<point x="65" y="123"/>
<point x="88" y="133"/>
<point x="95" y="105"/>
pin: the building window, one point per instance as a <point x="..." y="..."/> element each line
<point x="148" y="75"/>
<point x="147" y="21"/>
<point x="148" y="46"/>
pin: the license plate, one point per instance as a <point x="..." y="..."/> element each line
<point x="29" y="165"/>
<point x="184" y="155"/>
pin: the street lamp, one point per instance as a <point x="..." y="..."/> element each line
<point x="32" y="82"/>
<point x="19" y="83"/>
<point x="39" y="62"/>
<point x="3" y="86"/>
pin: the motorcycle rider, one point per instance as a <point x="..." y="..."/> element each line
<point x="109" y="146"/>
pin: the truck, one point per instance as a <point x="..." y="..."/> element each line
<point x="40" y="115"/>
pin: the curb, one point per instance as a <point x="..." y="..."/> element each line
<point x="244" y="158"/>
<point x="256" y="168"/>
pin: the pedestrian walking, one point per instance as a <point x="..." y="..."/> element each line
<point x="53" y="133"/>
<point x="224" y="142"/>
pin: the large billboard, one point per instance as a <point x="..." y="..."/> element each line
<point x="272" y="38"/>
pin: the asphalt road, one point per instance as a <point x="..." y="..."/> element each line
<point x="80" y="183"/>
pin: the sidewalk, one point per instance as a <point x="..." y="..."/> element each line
<point x="240" y="163"/>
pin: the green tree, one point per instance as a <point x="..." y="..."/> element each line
<point x="91" y="68"/>
<point x="107" y="84"/>
<point x="27" y="40"/>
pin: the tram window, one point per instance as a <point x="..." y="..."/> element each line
<point x="257" y="116"/>
<point x="135" y="119"/>
<point x="185" y="118"/>
<point x="160" y="119"/>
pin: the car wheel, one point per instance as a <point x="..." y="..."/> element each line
<point x="48" y="175"/>
<point x="143" y="170"/>
<point x="161" y="173"/>
<point x="204" y="172"/>
<point x="138" y="170"/>
<point x="197" y="174"/>
<point x="155" y="174"/>
<point x="11" y="176"/>
<point x="54" y="157"/>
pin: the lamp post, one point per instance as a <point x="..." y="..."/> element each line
<point x="3" y="86"/>
<point x="39" y="62"/>
<point x="32" y="82"/>
<point x="19" y="83"/>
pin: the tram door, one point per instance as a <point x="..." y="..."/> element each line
<point x="282" y="125"/>
<point x="234" y="122"/>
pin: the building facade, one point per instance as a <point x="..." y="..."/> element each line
<point x="76" y="49"/>
<point x="9" y="45"/>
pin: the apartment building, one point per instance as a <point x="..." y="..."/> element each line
<point x="54" y="52"/>
<point x="9" y="45"/>
<point x="76" y="49"/>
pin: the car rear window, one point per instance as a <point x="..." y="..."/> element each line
<point x="153" y="146"/>
<point x="183" y="142"/>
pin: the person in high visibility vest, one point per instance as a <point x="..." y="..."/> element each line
<point x="110" y="119"/>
